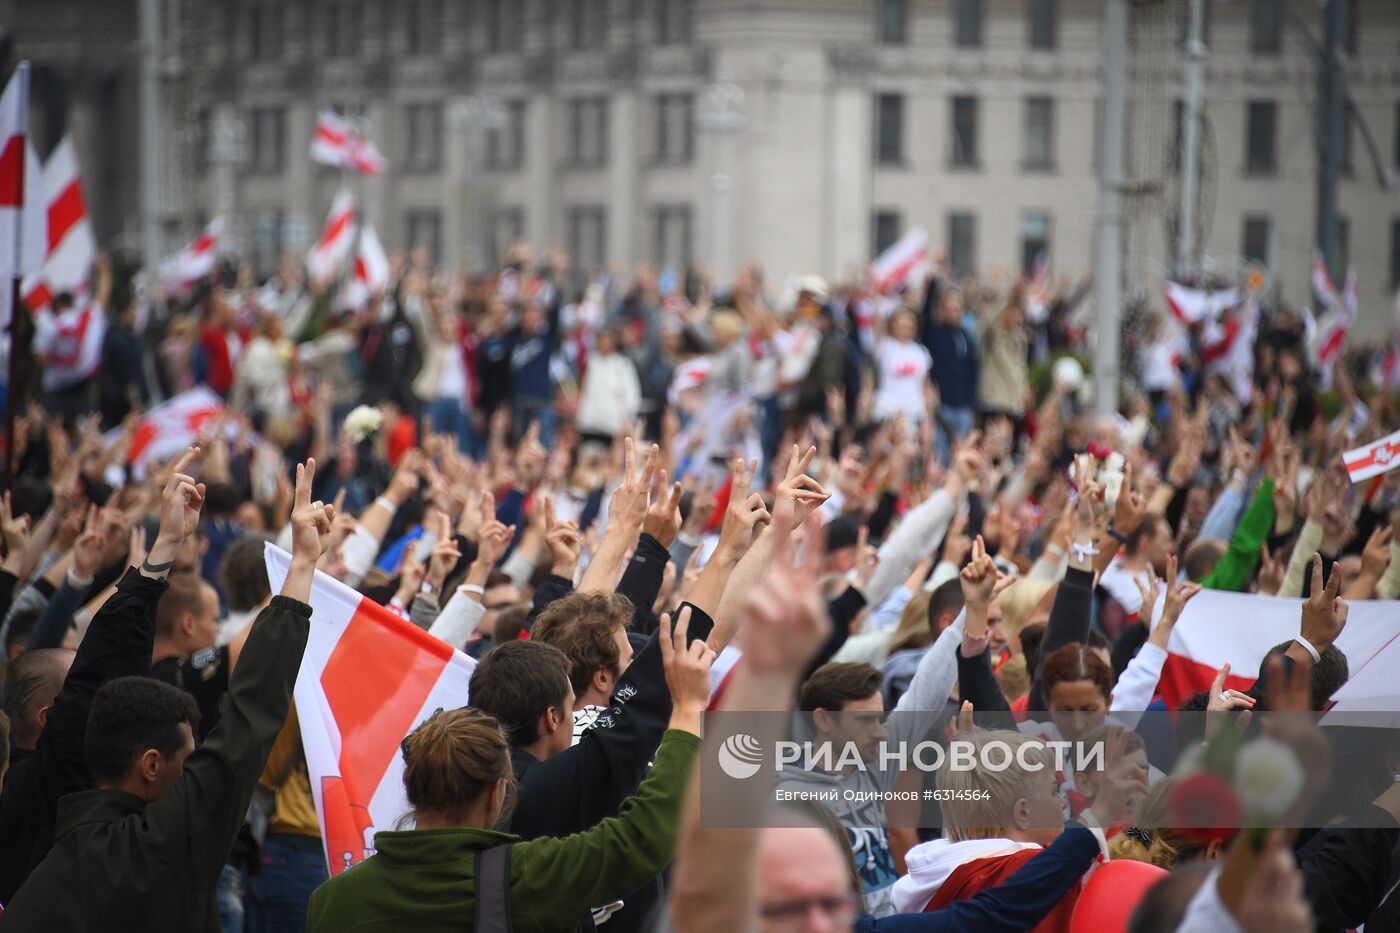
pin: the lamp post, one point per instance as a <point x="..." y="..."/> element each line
<point x="474" y="117"/>
<point x="722" y="116"/>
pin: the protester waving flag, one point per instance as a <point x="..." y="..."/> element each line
<point x="327" y="255"/>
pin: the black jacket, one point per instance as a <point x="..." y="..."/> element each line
<point x="120" y="863"/>
<point x="117" y="644"/>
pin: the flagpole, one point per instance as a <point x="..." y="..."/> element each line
<point x="12" y="383"/>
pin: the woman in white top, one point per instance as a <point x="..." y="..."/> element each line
<point x="611" y="395"/>
<point x="903" y="366"/>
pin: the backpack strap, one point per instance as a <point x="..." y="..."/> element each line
<point x="493" y="890"/>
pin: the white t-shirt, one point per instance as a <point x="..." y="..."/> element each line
<point x="903" y="370"/>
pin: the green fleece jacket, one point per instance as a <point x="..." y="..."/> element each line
<point x="424" y="880"/>
<point x="1234" y="569"/>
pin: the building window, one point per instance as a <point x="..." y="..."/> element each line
<point x="586" y="230"/>
<point x="1039" y="150"/>
<point x="672" y="236"/>
<point x="424" y="137"/>
<point x="344" y="26"/>
<point x="964" y="134"/>
<point x="268" y="240"/>
<point x="889" y="129"/>
<point x="675" y="128"/>
<point x="962" y="243"/>
<point x="504" y="25"/>
<point x="507" y="228"/>
<point x="892" y="19"/>
<point x="1265" y="27"/>
<point x="264" y="31"/>
<point x="268" y="151"/>
<point x="967" y="23"/>
<point x="1041" y="22"/>
<point x="1256" y="245"/>
<point x="423" y="229"/>
<point x="1035" y="241"/>
<point x="1261" y="130"/>
<point x="884" y="231"/>
<point x="588" y="23"/>
<point x="588" y="132"/>
<point x="423" y="25"/>
<point x="1395" y="253"/>
<point x="673" y="21"/>
<point x="505" y="144"/>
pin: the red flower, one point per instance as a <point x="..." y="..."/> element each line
<point x="1204" y="807"/>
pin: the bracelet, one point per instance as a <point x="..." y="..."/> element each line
<point x="1055" y="551"/>
<point x="148" y="567"/>
<point x="1316" y="656"/>
<point x="1083" y="551"/>
<point x="1241" y="475"/>
<point x="1117" y="535"/>
<point x="77" y="582"/>
<point x="472" y="588"/>
<point x="384" y="503"/>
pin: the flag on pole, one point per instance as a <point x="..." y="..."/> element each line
<point x="901" y="261"/>
<point x="22" y="220"/>
<point x="337" y="143"/>
<point x="1196" y="305"/>
<point x="368" y="678"/>
<point x="71" y="246"/>
<point x="1331" y="335"/>
<point x="1038" y="289"/>
<point x="328" y="253"/>
<point x="1374" y="458"/>
<point x="1323" y="288"/>
<point x="1200" y="644"/>
<point x="195" y="261"/>
<point x="370" y="275"/>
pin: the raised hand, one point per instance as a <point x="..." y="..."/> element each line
<point x="1130" y="508"/>
<point x="1123" y="782"/>
<point x="1223" y="701"/>
<point x="631" y="497"/>
<point x="663" y="518"/>
<point x="979" y="577"/>
<point x="1271" y="571"/>
<point x="311" y="525"/>
<point x="15" y="531"/>
<point x="495" y="539"/>
<point x="180" y="500"/>
<point x="1324" y="612"/>
<point x="867" y="559"/>
<point x="687" y="668"/>
<point x="804" y="492"/>
<point x="564" y="540"/>
<point x="87" y="550"/>
<point x="407" y="476"/>
<point x="445" y="553"/>
<point x="785" y="615"/>
<point x="1149" y="587"/>
<point x="745" y="515"/>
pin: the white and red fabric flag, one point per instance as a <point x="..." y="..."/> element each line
<point x="195" y="261"/>
<point x="23" y="242"/>
<point x="1331" y="335"/>
<point x="1323" y="288"/>
<point x="1196" y="305"/>
<point x="338" y="143"/>
<point x="1374" y="458"/>
<point x="1239" y="628"/>
<point x="171" y="426"/>
<point x="327" y="255"/>
<point x="901" y="261"/>
<point x="367" y="679"/>
<point x="1038" y="290"/>
<point x="71" y="246"/>
<point x="369" y="277"/>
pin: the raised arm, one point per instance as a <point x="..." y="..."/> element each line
<point x="745" y="516"/>
<point x="201" y="813"/>
<point x="626" y="513"/>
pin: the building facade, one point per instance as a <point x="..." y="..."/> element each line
<point x="806" y="134"/>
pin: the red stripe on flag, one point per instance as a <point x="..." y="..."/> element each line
<point x="38" y="297"/>
<point x="65" y="212"/>
<point x="12" y="172"/>
<point x="1182" y="677"/>
<point x="375" y="681"/>
<point x="334" y="229"/>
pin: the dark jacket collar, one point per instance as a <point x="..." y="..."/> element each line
<point x="95" y="806"/>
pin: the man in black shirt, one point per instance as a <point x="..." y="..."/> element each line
<point x="187" y="625"/>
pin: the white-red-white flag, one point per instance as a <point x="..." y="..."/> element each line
<point x="368" y="678"/>
<point x="195" y="261"/>
<point x="369" y="277"/>
<point x="1038" y="289"/>
<point x="72" y="248"/>
<point x="337" y="143"/>
<point x="1197" y="305"/>
<point x="171" y="426"/>
<point x="1202" y="641"/>
<point x="1323" y="288"/>
<point x="1374" y="458"/>
<point x="328" y="253"/>
<point x="900" y="261"/>
<point x="22" y="221"/>
<point x="1330" y="337"/>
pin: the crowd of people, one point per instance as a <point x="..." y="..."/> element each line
<point x="633" y="502"/>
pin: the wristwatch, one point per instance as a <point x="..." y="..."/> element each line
<point x="428" y="588"/>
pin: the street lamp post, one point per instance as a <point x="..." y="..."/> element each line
<point x="474" y="117"/>
<point x="722" y="116"/>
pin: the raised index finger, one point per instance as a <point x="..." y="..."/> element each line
<point x="190" y="455"/>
